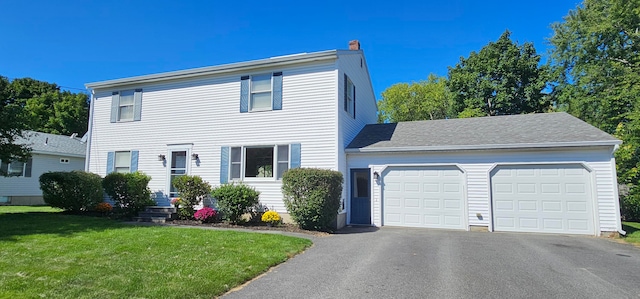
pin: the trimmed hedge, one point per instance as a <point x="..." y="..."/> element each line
<point x="72" y="191"/>
<point x="312" y="197"/>
<point x="130" y="191"/>
<point x="235" y="200"/>
<point x="192" y="190"/>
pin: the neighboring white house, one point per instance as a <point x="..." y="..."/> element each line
<point x="49" y="152"/>
<point x="251" y="121"/>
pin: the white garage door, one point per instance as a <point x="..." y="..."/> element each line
<point x="423" y="197"/>
<point x="542" y="198"/>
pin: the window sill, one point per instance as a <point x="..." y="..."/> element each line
<point x="260" y="110"/>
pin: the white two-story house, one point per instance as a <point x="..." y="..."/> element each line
<point x="251" y="121"/>
<point x="247" y="121"/>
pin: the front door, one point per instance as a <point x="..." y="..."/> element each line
<point x="360" y="196"/>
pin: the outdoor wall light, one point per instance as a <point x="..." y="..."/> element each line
<point x="161" y="157"/>
<point x="376" y="175"/>
<point x="194" y="157"/>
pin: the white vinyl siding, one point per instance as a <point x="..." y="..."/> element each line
<point x="477" y="166"/>
<point x="41" y="163"/>
<point x="204" y="112"/>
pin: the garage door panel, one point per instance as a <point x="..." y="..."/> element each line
<point x="545" y="198"/>
<point x="428" y="196"/>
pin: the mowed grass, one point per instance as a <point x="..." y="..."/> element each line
<point x="633" y="231"/>
<point x="48" y="254"/>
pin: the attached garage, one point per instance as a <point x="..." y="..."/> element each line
<point x="424" y="197"/>
<point x="535" y="173"/>
<point x="542" y="199"/>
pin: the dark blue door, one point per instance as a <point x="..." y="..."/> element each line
<point x="360" y="196"/>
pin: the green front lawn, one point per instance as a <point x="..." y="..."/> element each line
<point x="44" y="253"/>
<point x="633" y="231"/>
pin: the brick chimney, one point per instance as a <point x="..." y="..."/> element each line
<point x="354" y="45"/>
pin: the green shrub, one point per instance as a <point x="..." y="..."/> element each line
<point x="312" y="196"/>
<point x="130" y="191"/>
<point x="235" y="200"/>
<point x="630" y="205"/>
<point x="192" y="191"/>
<point x="72" y="191"/>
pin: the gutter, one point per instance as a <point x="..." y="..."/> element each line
<point x="481" y="147"/>
<point x="57" y="154"/>
<point x="220" y="69"/>
<point x="89" y="129"/>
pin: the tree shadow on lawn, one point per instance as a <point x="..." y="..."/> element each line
<point x="629" y="229"/>
<point x="15" y="225"/>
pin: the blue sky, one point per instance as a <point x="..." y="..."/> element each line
<point x="74" y="42"/>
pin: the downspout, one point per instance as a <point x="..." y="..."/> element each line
<point x="615" y="189"/>
<point x="89" y="131"/>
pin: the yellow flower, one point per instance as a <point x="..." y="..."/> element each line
<point x="271" y="217"/>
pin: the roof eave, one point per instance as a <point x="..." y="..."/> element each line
<point x="59" y="154"/>
<point x="483" y="147"/>
<point x="220" y="69"/>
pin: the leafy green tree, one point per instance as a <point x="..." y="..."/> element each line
<point x="596" y="56"/>
<point x="421" y="100"/>
<point x="503" y="78"/>
<point x="12" y="124"/>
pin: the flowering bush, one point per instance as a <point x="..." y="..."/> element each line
<point x="205" y="214"/>
<point x="182" y="208"/>
<point x="104" y="207"/>
<point x="271" y="217"/>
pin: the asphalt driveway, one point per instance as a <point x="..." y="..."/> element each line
<point x="424" y="263"/>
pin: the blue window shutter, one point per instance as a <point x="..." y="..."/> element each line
<point x="115" y="106"/>
<point x="110" y="160"/>
<point x="244" y="94"/>
<point x="277" y="91"/>
<point x="134" y="160"/>
<point x="27" y="169"/>
<point x="137" y="104"/>
<point x="224" y="165"/>
<point x="295" y="155"/>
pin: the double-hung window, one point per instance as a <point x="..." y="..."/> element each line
<point x="261" y="92"/>
<point x="349" y="97"/>
<point x="17" y="168"/>
<point x="259" y="161"/>
<point x="122" y="162"/>
<point x="126" y="105"/>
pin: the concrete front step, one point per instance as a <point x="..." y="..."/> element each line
<point x="160" y="209"/>
<point x="165" y="215"/>
<point x="150" y="219"/>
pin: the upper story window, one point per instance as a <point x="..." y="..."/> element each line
<point x="126" y="105"/>
<point x="261" y="92"/>
<point x="17" y="168"/>
<point x="349" y="97"/>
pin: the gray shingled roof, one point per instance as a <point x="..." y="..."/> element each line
<point x="46" y="143"/>
<point x="512" y="131"/>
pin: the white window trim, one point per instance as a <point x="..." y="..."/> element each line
<point x="243" y="159"/>
<point x="251" y="93"/>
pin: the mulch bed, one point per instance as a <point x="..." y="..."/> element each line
<point x="285" y="227"/>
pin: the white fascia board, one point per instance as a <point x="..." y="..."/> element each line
<point x="219" y="69"/>
<point x="482" y="147"/>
